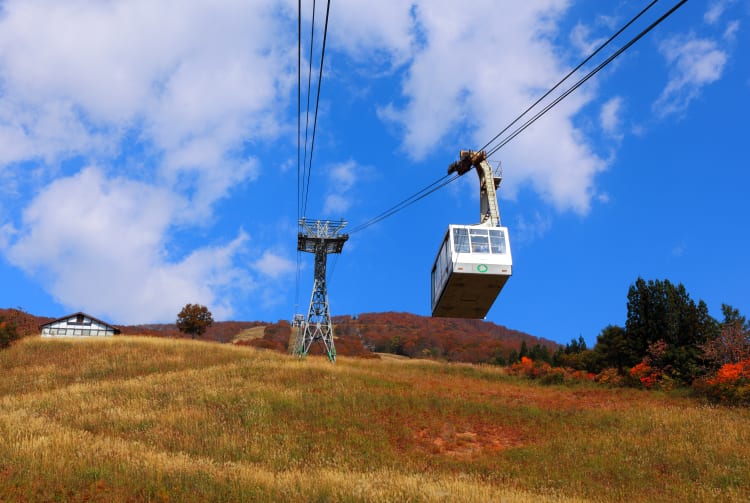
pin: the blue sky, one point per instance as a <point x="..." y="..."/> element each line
<point x="148" y="155"/>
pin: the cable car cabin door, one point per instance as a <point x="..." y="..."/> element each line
<point x="471" y="268"/>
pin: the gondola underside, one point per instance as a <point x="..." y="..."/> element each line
<point x="470" y="295"/>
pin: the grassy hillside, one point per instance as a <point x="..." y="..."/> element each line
<point x="471" y="341"/>
<point x="147" y="419"/>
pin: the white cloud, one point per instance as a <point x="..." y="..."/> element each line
<point x="609" y="22"/>
<point x="609" y="117"/>
<point x="463" y="81"/>
<point x="716" y="10"/>
<point x="694" y="63"/>
<point x="7" y="231"/>
<point x="580" y="37"/>
<point x="375" y="30"/>
<point x="97" y="245"/>
<point x="336" y="204"/>
<point x="169" y="96"/>
<point x="186" y="76"/>
<point x="527" y="230"/>
<point x="274" y="265"/>
<point x="341" y="179"/>
<point x="730" y="34"/>
<point x="344" y="175"/>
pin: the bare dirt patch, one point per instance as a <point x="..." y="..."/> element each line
<point x="466" y="442"/>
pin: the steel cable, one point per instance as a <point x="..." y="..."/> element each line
<point x="425" y="191"/>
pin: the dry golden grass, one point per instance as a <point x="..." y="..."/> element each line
<point x="140" y="419"/>
<point x="249" y="334"/>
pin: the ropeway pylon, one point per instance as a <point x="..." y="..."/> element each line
<point x="320" y="237"/>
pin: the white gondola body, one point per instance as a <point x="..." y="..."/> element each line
<point x="470" y="270"/>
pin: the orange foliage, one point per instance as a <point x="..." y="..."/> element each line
<point x="731" y="373"/>
<point x="546" y="373"/>
<point x="730" y="385"/>
<point x="646" y="375"/>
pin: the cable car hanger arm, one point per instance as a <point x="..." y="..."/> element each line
<point x="489" y="209"/>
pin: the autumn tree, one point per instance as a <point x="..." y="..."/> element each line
<point x="732" y="344"/>
<point x="8" y="333"/>
<point x="194" y="319"/>
<point x="660" y="311"/>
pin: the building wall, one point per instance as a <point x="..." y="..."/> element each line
<point x="77" y="327"/>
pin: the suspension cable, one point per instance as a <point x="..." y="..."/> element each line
<point x="581" y="81"/>
<point x="317" y="103"/>
<point x="571" y="72"/>
<point x="431" y="188"/>
<point x="421" y="194"/>
<point x="303" y="202"/>
<point x="305" y="170"/>
<point x="299" y="99"/>
<point x="299" y="132"/>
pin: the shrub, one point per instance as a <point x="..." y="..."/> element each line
<point x="610" y="377"/>
<point x="546" y="373"/>
<point x="8" y="333"/>
<point x="730" y="385"/>
<point x="555" y="375"/>
<point x="645" y="375"/>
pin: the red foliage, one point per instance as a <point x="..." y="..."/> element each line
<point x="263" y="344"/>
<point x="462" y="340"/>
<point x="26" y="324"/>
<point x="645" y="374"/>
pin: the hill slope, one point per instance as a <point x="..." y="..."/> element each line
<point x="460" y="340"/>
<point x="146" y="419"/>
<point x="472" y="341"/>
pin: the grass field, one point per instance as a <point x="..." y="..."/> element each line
<point x="143" y="419"/>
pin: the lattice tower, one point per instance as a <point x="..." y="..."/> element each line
<point x="319" y="237"/>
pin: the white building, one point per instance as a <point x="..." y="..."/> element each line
<point x="78" y="325"/>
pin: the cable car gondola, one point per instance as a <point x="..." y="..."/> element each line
<point x="474" y="261"/>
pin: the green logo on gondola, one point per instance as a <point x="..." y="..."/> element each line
<point x="482" y="268"/>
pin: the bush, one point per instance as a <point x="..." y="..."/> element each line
<point x="546" y="373"/>
<point x="555" y="375"/>
<point x="730" y="385"/>
<point x="8" y="333"/>
<point x="610" y="377"/>
<point x="645" y="375"/>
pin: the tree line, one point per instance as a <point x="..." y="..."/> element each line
<point x="667" y="337"/>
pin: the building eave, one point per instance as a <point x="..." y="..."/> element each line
<point x="64" y="318"/>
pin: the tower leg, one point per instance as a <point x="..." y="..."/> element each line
<point x="317" y="327"/>
<point x="297" y="338"/>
